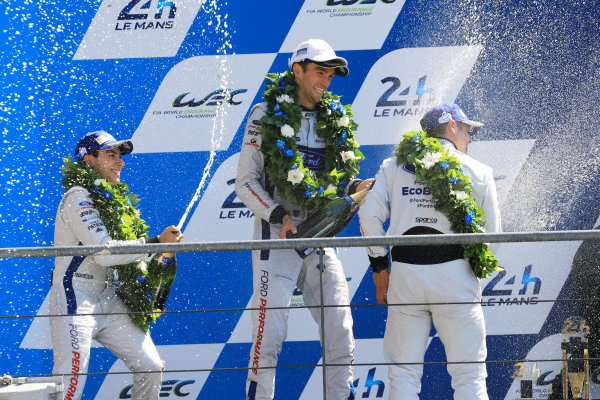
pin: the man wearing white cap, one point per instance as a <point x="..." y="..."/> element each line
<point x="432" y="283"/>
<point x="284" y="174"/>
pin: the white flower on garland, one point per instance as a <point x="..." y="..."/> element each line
<point x="98" y="182"/>
<point x="348" y="155"/>
<point x="430" y="159"/>
<point x="343" y="121"/>
<point x="143" y="266"/>
<point x="331" y="187"/>
<point x="285" y="98"/>
<point x="287" y="131"/>
<point x="295" y="176"/>
<point x="461" y="195"/>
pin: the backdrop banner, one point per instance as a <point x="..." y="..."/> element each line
<point x="180" y="77"/>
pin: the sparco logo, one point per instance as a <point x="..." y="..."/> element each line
<point x="144" y="16"/>
<point x="214" y="98"/>
<point x="425" y="220"/>
<point x="351" y="2"/>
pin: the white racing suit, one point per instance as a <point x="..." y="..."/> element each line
<point x="276" y="273"/>
<point x="425" y="275"/>
<point x="82" y="285"/>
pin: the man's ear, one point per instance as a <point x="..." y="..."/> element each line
<point x="295" y="67"/>
<point x="86" y="159"/>
<point x="452" y="127"/>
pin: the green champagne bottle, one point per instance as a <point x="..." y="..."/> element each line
<point x="167" y="276"/>
<point x="329" y="220"/>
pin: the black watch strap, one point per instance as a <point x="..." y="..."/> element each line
<point x="153" y="239"/>
<point x="353" y="186"/>
<point x="277" y="215"/>
<point x="378" y="264"/>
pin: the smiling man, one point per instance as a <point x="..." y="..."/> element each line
<point x="281" y="150"/>
<point x="96" y="210"/>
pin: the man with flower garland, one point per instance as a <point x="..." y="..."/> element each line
<point x="298" y="153"/>
<point x="431" y="280"/>
<point x="84" y="285"/>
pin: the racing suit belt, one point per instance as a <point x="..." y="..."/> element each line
<point x="425" y="255"/>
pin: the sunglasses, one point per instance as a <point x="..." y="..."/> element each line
<point x="470" y="128"/>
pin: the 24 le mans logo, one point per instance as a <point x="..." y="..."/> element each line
<point x="232" y="209"/>
<point x="501" y="291"/>
<point x="395" y="100"/>
<point x="145" y="16"/>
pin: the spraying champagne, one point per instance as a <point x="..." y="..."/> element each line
<point x="328" y="221"/>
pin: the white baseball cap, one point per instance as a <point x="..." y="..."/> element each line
<point x="319" y="52"/>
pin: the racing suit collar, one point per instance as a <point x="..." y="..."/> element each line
<point x="308" y="113"/>
<point x="446" y="143"/>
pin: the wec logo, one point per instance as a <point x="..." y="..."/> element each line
<point x="214" y="98"/>
<point x="168" y="387"/>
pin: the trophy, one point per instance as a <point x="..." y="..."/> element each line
<point x="526" y="390"/>
<point x="576" y="377"/>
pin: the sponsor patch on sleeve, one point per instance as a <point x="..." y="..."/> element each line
<point x="85" y="203"/>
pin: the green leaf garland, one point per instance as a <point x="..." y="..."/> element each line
<point x="294" y="182"/>
<point x="139" y="281"/>
<point x="452" y="191"/>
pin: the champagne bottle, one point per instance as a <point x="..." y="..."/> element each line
<point x="329" y="220"/>
<point x="168" y="272"/>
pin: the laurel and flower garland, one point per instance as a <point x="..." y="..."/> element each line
<point x="138" y="281"/>
<point x="295" y="182"/>
<point x="452" y="191"/>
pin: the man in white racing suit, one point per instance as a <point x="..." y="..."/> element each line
<point x="276" y="273"/>
<point x="83" y="285"/>
<point x="432" y="274"/>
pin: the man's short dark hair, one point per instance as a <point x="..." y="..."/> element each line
<point x="304" y="64"/>
<point x="438" y="131"/>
